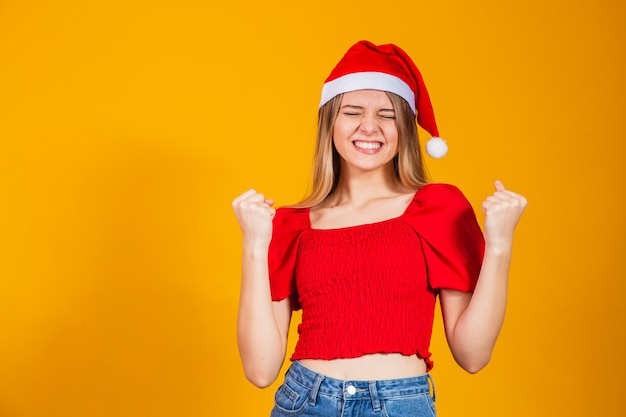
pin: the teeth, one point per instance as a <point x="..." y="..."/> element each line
<point x="368" y="145"/>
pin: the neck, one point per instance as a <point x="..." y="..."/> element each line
<point x="362" y="186"/>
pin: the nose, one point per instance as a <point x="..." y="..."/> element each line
<point x="369" y="124"/>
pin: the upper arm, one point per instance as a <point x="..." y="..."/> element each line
<point x="282" y="314"/>
<point x="453" y="304"/>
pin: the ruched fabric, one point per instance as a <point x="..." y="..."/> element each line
<point x="372" y="288"/>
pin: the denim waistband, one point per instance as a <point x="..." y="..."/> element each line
<point x="357" y="389"/>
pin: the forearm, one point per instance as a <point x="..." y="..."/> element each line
<point x="261" y="341"/>
<point x="477" y="329"/>
<point x="473" y="321"/>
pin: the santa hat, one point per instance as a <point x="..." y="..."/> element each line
<point x="387" y="68"/>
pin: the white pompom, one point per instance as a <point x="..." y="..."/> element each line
<point x="436" y="147"/>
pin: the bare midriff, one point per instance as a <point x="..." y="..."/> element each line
<point x="377" y="366"/>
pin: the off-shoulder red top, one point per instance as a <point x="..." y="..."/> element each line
<point x="372" y="288"/>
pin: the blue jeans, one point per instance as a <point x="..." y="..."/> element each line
<point x="306" y="393"/>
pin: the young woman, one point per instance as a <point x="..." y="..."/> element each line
<point x="366" y="255"/>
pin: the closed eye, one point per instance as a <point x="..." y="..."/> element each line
<point x="387" y="113"/>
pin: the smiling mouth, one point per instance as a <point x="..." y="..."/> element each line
<point x="367" y="145"/>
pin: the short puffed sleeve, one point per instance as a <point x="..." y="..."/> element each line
<point x="452" y="240"/>
<point x="288" y="224"/>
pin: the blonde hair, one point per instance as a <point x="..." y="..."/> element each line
<point x="409" y="166"/>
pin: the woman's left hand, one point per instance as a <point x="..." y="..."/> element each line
<point x="503" y="210"/>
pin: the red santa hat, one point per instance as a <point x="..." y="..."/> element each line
<point x="387" y="68"/>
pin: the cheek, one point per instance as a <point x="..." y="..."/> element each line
<point x="392" y="136"/>
<point x="341" y="130"/>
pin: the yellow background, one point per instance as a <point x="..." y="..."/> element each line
<point x="127" y="127"/>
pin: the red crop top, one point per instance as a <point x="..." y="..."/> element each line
<point x="372" y="288"/>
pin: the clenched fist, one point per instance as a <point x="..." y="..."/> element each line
<point x="503" y="210"/>
<point x="254" y="213"/>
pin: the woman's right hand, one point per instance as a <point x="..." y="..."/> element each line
<point x="262" y="324"/>
<point x="254" y="213"/>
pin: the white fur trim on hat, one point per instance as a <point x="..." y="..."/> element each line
<point x="367" y="81"/>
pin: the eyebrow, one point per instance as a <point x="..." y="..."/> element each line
<point x="352" y="106"/>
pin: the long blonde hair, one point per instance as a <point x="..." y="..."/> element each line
<point x="409" y="167"/>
